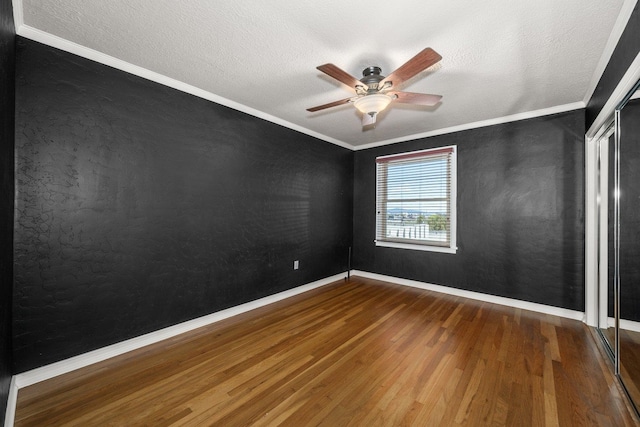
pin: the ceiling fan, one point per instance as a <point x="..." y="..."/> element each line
<point x="374" y="92"/>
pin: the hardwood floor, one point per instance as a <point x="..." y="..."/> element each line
<point x="630" y="362"/>
<point x="359" y="353"/>
<point x="629" y="359"/>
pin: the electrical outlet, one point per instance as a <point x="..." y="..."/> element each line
<point x="296" y="264"/>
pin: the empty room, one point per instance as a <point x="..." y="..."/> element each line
<point x="234" y="213"/>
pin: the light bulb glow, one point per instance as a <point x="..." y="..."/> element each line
<point x="372" y="104"/>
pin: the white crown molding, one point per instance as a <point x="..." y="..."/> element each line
<point x="509" y="302"/>
<point x="85" y="52"/>
<point x="612" y="42"/>
<point x="490" y="122"/>
<point x="43" y="373"/>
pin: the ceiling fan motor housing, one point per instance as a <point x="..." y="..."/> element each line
<point x="371" y="77"/>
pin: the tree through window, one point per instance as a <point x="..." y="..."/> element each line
<point x="415" y="202"/>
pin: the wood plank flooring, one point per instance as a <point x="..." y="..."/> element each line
<point x="629" y="359"/>
<point x="630" y="362"/>
<point x="357" y="353"/>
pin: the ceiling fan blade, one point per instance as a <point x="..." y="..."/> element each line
<point x="368" y="119"/>
<point x="342" y="76"/>
<point x="425" y="59"/>
<point x="329" y="105"/>
<point x="415" y="98"/>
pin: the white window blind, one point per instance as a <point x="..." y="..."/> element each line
<point x="415" y="203"/>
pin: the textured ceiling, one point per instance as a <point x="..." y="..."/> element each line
<point x="500" y="58"/>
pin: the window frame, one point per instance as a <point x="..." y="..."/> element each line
<point x="431" y="152"/>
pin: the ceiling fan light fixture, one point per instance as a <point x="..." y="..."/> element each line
<point x="373" y="104"/>
<point x="371" y="96"/>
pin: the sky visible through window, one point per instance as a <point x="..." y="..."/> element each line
<point x="422" y="179"/>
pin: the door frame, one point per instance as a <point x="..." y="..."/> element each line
<point x="595" y="132"/>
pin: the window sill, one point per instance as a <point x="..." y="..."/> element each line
<point x="427" y="248"/>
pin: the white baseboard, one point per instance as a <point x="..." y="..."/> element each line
<point x="12" y="400"/>
<point x="31" y="377"/>
<point x="628" y="325"/>
<point x="509" y="302"/>
<point x="43" y="373"/>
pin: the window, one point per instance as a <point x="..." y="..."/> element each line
<point x="416" y="200"/>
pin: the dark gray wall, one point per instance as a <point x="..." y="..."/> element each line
<point x="7" y="89"/>
<point x="625" y="52"/>
<point x="520" y="213"/>
<point x="139" y="206"/>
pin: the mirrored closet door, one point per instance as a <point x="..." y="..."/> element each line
<point x="628" y="130"/>
<point x="619" y="241"/>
